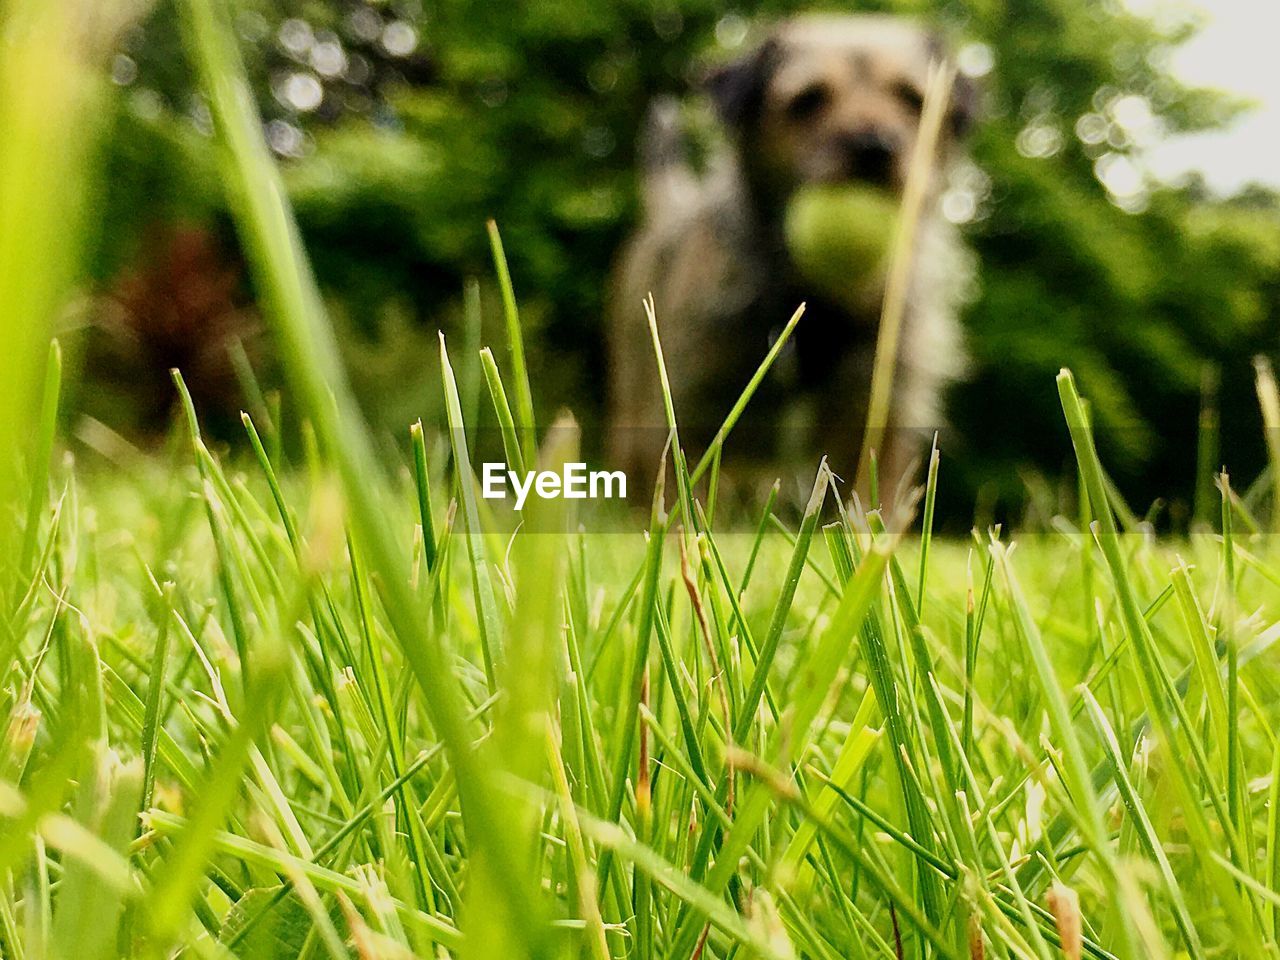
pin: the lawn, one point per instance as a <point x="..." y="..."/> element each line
<point x="820" y="741"/>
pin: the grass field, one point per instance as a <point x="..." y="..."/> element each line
<point x="321" y="708"/>
<point x="807" y="743"/>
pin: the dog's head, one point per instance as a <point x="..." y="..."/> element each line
<point x="828" y="99"/>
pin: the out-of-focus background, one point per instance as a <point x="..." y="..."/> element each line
<point x="1121" y="199"/>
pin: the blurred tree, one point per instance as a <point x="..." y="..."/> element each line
<point x="406" y="124"/>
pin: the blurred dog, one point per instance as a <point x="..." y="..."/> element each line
<point x="824" y="99"/>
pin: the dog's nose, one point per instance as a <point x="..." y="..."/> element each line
<point x="870" y="155"/>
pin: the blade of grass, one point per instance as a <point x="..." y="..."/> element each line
<point x="422" y="484"/>
<point x="623" y="745"/>
<point x="510" y="441"/>
<point x="1269" y="401"/>
<point x="716" y="446"/>
<point x="926" y="522"/>
<point x="42" y="456"/>
<point x="1237" y="798"/>
<point x="155" y="691"/>
<point x="782" y="607"/>
<point x="1208" y="443"/>
<point x="919" y="174"/>
<point x="481" y="581"/>
<point x="515" y="343"/>
<point x="584" y="878"/>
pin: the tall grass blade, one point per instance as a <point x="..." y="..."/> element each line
<point x="515" y="344"/>
<point x="1269" y="401"/>
<point x="311" y="361"/>
<point x="42" y="457"/>
<point x="919" y="173"/>
<point x="481" y="580"/>
<point x="507" y="425"/>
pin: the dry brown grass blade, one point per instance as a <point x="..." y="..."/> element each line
<point x="919" y="174"/>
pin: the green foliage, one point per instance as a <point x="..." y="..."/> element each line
<point x="528" y="114"/>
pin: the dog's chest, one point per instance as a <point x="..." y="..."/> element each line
<point x="830" y="337"/>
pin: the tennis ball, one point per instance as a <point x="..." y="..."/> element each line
<point x="839" y="236"/>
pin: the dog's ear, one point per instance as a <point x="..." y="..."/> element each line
<point x="737" y="88"/>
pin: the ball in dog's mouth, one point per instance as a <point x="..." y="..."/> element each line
<point x="839" y="236"/>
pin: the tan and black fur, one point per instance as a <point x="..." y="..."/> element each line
<point x="822" y="99"/>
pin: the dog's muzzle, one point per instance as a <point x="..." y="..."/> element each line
<point x="870" y="156"/>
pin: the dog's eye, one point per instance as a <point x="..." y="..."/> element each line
<point x="808" y="102"/>
<point x="909" y="96"/>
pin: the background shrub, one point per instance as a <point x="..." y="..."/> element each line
<point x="405" y="125"/>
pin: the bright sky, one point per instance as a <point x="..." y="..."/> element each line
<point x="1237" y="50"/>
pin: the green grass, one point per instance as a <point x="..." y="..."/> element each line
<point x="214" y="633"/>
<point x="322" y="708"/>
